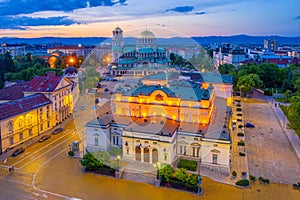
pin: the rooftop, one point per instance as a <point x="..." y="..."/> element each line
<point x="154" y="125"/>
<point x="12" y="93"/>
<point x="43" y="84"/>
<point x="25" y="104"/>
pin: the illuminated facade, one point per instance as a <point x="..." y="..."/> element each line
<point x="57" y="89"/>
<point x="163" y="123"/>
<point x="24" y="119"/>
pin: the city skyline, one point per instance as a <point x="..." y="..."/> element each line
<point x="172" y="18"/>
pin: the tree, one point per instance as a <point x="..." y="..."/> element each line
<point x="181" y="175"/>
<point x="90" y="162"/>
<point x="193" y="180"/>
<point x="166" y="172"/>
<point x="226" y="68"/>
<point x="249" y="82"/>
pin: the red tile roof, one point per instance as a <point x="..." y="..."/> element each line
<point x="43" y="84"/>
<point x="12" y="93"/>
<point x="16" y="107"/>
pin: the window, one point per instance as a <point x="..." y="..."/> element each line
<point x="154" y="142"/>
<point x="166" y="157"/>
<point x="180" y="148"/>
<point x="41" y="116"/>
<point x="48" y="107"/>
<point x="184" y="150"/>
<point x="194" y="151"/>
<point x="41" y="109"/>
<point x="115" y="140"/>
<point x="215" y="159"/>
<point x="48" y="124"/>
<point x="198" y="152"/>
<point x="29" y="120"/>
<point x="11" y="140"/>
<point x="127" y="150"/>
<point x="41" y="127"/>
<point x="48" y="113"/>
<point x="30" y="132"/>
<point x="21" y="136"/>
<point x="10" y="126"/>
<point x="20" y="123"/>
<point x="96" y="142"/>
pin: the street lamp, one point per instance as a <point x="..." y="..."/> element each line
<point x="118" y="161"/>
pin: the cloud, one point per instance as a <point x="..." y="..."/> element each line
<point x="181" y="9"/>
<point x="22" y="23"/>
<point x="200" y="13"/>
<point x="297" y="18"/>
<point x="17" y="7"/>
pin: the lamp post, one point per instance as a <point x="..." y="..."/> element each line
<point x="118" y="161"/>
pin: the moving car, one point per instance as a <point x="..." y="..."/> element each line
<point x="249" y="125"/>
<point x="58" y="130"/>
<point x="45" y="137"/>
<point x="18" y="151"/>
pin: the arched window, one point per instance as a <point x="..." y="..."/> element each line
<point x="29" y="120"/>
<point x="20" y="123"/>
<point x="10" y="126"/>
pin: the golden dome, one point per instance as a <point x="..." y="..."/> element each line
<point x="146" y="34"/>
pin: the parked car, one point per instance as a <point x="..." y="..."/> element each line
<point x="249" y="125"/>
<point x="43" y="138"/>
<point x="18" y="151"/>
<point x="58" y="130"/>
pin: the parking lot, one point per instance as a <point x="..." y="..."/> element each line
<point x="269" y="152"/>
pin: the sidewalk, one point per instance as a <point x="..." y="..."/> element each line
<point x="290" y="133"/>
<point x="27" y="143"/>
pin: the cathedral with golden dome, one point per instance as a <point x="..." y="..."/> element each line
<point x="145" y="58"/>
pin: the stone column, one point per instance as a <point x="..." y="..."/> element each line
<point x="150" y="155"/>
<point x="142" y="154"/>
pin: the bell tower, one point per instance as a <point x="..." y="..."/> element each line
<point x="117" y="44"/>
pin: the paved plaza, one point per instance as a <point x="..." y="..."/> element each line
<point x="269" y="151"/>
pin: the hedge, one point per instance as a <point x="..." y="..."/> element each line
<point x="242" y="182"/>
<point x="190" y="165"/>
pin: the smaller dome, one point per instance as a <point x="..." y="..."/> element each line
<point x="146" y="34"/>
<point x="70" y="70"/>
<point x="117" y="30"/>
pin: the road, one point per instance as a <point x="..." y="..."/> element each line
<point x="270" y="154"/>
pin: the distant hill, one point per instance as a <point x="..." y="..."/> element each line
<point x="235" y="39"/>
<point x="247" y="39"/>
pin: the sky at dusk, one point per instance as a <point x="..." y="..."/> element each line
<point x="83" y="18"/>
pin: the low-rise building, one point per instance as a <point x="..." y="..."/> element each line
<point x="165" y="122"/>
<point x="58" y="89"/>
<point x="24" y="119"/>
